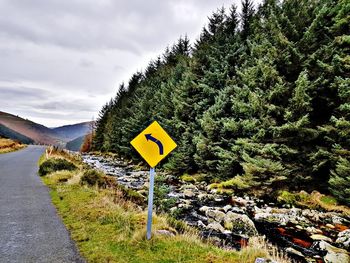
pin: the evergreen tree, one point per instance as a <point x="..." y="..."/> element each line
<point x="263" y="100"/>
<point x="246" y="18"/>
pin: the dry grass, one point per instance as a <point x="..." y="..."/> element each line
<point x="55" y="152"/>
<point x="7" y="145"/>
<point x="258" y="244"/>
<point x="320" y="200"/>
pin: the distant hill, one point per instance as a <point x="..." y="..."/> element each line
<point x="75" y="144"/>
<point x="71" y="132"/>
<point x="26" y="131"/>
<point x="11" y="134"/>
<point x="37" y="132"/>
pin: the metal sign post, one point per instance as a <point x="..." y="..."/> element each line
<point x="153" y="144"/>
<point x="150" y="203"/>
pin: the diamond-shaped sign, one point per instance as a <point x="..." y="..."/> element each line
<point x="153" y="144"/>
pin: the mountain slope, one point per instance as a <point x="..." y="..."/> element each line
<point x="70" y="132"/>
<point x="75" y="144"/>
<point x="37" y="132"/>
<point x="11" y="134"/>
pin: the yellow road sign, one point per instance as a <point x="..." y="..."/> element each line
<point x="153" y="144"/>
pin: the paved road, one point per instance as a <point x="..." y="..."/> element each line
<point x="30" y="229"/>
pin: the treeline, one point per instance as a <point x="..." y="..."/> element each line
<point x="262" y="96"/>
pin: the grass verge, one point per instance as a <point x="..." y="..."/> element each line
<point x="108" y="227"/>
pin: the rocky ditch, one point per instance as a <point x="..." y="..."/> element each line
<point x="306" y="235"/>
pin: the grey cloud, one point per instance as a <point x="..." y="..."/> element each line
<point x="70" y="106"/>
<point x="22" y="94"/>
<point x="71" y="55"/>
<point x="85" y="63"/>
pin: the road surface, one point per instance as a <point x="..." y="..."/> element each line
<point x="30" y="229"/>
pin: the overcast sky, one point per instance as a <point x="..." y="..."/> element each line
<point x="61" y="60"/>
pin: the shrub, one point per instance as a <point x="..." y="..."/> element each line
<point x="55" y="164"/>
<point x="286" y="197"/>
<point x="131" y="195"/>
<point x="92" y="177"/>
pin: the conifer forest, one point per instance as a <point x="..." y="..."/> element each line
<point x="261" y="99"/>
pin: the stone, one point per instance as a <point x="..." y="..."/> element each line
<point x="173" y="209"/>
<point x="227" y="232"/>
<point x="185" y="206"/>
<point x="293" y="251"/>
<point x="337" y="220"/>
<point x="202" y="197"/>
<point x="281" y="216"/>
<point x="239" y="210"/>
<point x="215" y="226"/>
<point x="260" y="260"/>
<point x="336" y="257"/>
<point x="227" y="207"/>
<point x="313" y="230"/>
<point x="343" y="239"/>
<point x="204" y="209"/>
<point x="334" y="254"/>
<point x="320" y="237"/>
<point x="200" y="224"/>
<point x="264" y="260"/>
<point x="188" y="193"/>
<point x="218" y="216"/>
<point x="240" y="224"/>
<point x="239" y="201"/>
<point x="164" y="232"/>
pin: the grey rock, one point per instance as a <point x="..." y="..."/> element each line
<point x="226" y="208"/>
<point x="344" y="239"/>
<point x="218" y="216"/>
<point x="264" y="260"/>
<point x="293" y="251"/>
<point x="240" y="224"/>
<point x="320" y="237"/>
<point x="188" y="193"/>
<point x="201" y="224"/>
<point x="216" y="227"/>
<point x="184" y="206"/>
<point x="164" y="232"/>
<point x="334" y="254"/>
<point x="204" y="209"/>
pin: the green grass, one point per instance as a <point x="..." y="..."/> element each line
<point x="110" y="232"/>
<point x="329" y="200"/>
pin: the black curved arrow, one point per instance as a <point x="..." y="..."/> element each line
<point x="160" y="145"/>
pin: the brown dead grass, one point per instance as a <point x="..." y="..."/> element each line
<point x="316" y="199"/>
<point x="7" y="145"/>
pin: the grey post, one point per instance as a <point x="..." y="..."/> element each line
<point x="150" y="203"/>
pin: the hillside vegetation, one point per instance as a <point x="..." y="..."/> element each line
<point x="37" y="132"/>
<point x="75" y="145"/>
<point x="11" y="134"/>
<point x="70" y="132"/>
<point x="261" y="100"/>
